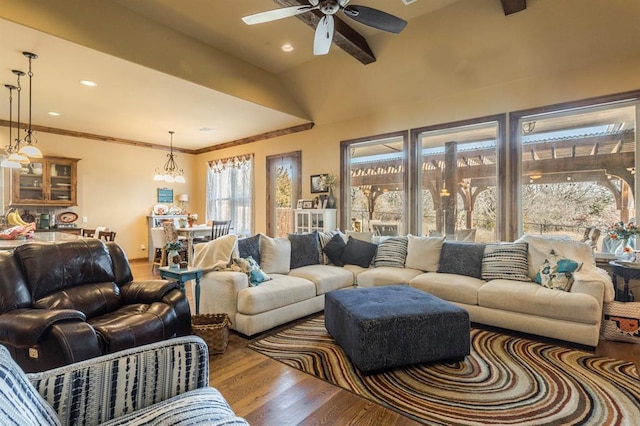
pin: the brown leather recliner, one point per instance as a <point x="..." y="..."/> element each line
<point x="66" y="302"/>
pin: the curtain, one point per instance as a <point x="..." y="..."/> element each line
<point x="230" y="192"/>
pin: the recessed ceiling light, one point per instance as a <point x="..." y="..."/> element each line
<point x="206" y="130"/>
<point x="88" y="83"/>
<point x="287" y="47"/>
<point x="55" y="114"/>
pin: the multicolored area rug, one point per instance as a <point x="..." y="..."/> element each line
<point x="505" y="380"/>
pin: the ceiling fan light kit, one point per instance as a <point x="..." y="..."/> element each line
<point x="324" y="31"/>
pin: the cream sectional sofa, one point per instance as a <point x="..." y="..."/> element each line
<point x="525" y="306"/>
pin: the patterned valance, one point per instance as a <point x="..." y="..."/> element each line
<point x="236" y="162"/>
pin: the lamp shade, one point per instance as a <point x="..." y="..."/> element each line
<point x="183" y="197"/>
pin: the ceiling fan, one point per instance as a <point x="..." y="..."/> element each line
<point x="324" y="31"/>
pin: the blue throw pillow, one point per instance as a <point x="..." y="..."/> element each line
<point x="250" y="267"/>
<point x="461" y="259"/>
<point x="334" y="249"/>
<point x="358" y="252"/>
<point x="250" y="247"/>
<point x="304" y="249"/>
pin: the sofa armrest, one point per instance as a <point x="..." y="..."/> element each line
<point x="595" y="282"/>
<point x="25" y="327"/>
<point x="147" y="291"/>
<point x="219" y="292"/>
<point x="106" y="387"/>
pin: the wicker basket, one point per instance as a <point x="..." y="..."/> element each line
<point x="214" y="330"/>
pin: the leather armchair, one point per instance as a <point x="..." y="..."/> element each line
<point x="66" y="302"/>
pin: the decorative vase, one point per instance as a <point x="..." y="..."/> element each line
<point x="331" y="201"/>
<point x="624" y="251"/>
<point x="174" y="259"/>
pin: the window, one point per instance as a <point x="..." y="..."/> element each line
<point x="230" y="192"/>
<point x="577" y="167"/>
<point x="374" y="193"/>
<point x="457" y="179"/>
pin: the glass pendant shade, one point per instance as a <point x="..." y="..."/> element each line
<point x="6" y="163"/>
<point x="18" y="158"/>
<point x="30" y="151"/>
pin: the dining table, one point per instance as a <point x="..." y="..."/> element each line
<point x="189" y="232"/>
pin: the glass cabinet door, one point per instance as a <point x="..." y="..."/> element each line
<point x="60" y="180"/>
<point x="31" y="182"/>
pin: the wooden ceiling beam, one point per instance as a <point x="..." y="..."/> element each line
<point x="513" y="6"/>
<point x="344" y="36"/>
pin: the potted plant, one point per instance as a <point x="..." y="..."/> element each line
<point x="173" y="253"/>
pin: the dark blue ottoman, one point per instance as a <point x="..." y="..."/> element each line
<point x="393" y="326"/>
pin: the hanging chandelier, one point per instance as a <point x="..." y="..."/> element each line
<point x="170" y="172"/>
<point x="18" y="153"/>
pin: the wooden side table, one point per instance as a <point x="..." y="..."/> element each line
<point x="626" y="273"/>
<point x="181" y="276"/>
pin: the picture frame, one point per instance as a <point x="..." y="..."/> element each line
<point x="165" y="195"/>
<point x="307" y="204"/>
<point x="317" y="183"/>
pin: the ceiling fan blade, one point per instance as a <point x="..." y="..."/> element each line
<point x="324" y="35"/>
<point x="375" y="18"/>
<point x="272" y="15"/>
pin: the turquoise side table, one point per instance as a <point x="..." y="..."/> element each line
<point x="181" y="276"/>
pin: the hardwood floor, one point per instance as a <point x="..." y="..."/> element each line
<point x="267" y="392"/>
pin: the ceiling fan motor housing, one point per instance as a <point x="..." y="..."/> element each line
<point x="329" y="7"/>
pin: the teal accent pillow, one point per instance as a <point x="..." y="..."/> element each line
<point x="556" y="272"/>
<point x="250" y="267"/>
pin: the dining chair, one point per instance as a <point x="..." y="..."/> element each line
<point x="107" y="235"/>
<point x="171" y="235"/>
<point x="159" y="247"/>
<point x="88" y="233"/>
<point x="220" y="228"/>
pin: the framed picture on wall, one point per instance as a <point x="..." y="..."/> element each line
<point x="318" y="184"/>
<point x="307" y="204"/>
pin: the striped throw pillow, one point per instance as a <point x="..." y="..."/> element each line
<point x="507" y="261"/>
<point x="391" y="252"/>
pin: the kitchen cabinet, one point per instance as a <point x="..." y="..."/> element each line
<point x="48" y="181"/>
<point x="309" y="220"/>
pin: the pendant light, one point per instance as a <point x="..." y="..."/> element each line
<point x="7" y="163"/>
<point x="28" y="148"/>
<point x="170" y="172"/>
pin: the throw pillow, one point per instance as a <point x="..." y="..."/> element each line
<point x="334" y="249"/>
<point x="250" y="247"/>
<point x="304" y="249"/>
<point x="275" y="254"/>
<point x="505" y="261"/>
<point x="362" y="236"/>
<point x="358" y="252"/>
<point x="557" y="272"/>
<point x="392" y="251"/>
<point x="423" y="253"/>
<point x="323" y="240"/>
<point x="462" y="259"/>
<point x="250" y="267"/>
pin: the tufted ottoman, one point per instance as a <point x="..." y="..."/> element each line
<point x="392" y="326"/>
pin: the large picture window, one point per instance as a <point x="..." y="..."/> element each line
<point x="457" y="179"/>
<point x="374" y="193"/>
<point x="577" y="169"/>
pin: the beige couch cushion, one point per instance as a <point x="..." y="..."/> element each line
<point x="275" y="254"/>
<point x="451" y="287"/>
<point x="386" y="275"/>
<point x="423" y="253"/>
<point x="281" y="291"/>
<point x="531" y="298"/>
<point x="325" y="277"/>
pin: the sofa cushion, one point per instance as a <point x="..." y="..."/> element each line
<point x="304" y="249"/>
<point x="531" y="298"/>
<point x="275" y="254"/>
<point x="451" y="287"/>
<point x="334" y="249"/>
<point x="358" y="252"/>
<point x="505" y="261"/>
<point x="423" y="252"/>
<point x="392" y="251"/>
<point x="362" y="236"/>
<point x="323" y="239"/>
<point x="282" y="290"/>
<point x="325" y="277"/>
<point x="462" y="259"/>
<point x="90" y="299"/>
<point x="557" y="272"/>
<point x="250" y="247"/>
<point x="386" y="275"/>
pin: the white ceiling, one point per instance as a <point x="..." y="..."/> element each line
<point x="140" y="104"/>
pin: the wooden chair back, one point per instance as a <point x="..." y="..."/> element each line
<point x="107" y="235"/>
<point x="220" y="228"/>
<point x="88" y="233"/>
